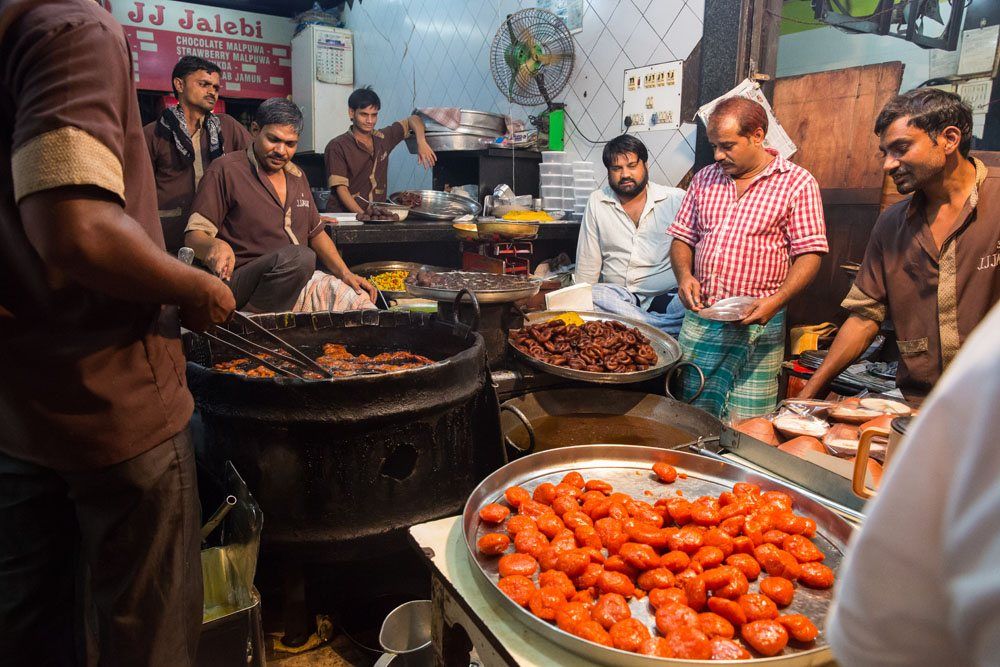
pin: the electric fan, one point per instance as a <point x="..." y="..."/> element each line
<point x="532" y="60"/>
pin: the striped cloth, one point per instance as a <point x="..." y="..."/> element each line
<point x="740" y="363"/>
<point x="324" y="293"/>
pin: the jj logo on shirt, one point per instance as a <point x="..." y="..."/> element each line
<point x="990" y="261"/>
<point x="301" y="203"/>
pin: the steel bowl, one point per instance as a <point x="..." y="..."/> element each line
<point x="439" y="205"/>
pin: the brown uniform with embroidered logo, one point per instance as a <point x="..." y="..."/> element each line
<point x="177" y="177"/>
<point x="934" y="297"/>
<point x="364" y="172"/>
<point x="237" y="203"/>
<point x="96" y="465"/>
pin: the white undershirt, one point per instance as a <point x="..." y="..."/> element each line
<point x="921" y="583"/>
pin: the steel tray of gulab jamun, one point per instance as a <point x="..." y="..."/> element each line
<point x="631" y="555"/>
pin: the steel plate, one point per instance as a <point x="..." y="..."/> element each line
<point x="668" y="351"/>
<point x="452" y="141"/>
<point x="506" y="229"/>
<point x="439" y="205"/>
<point x="483" y="296"/>
<point x="628" y="469"/>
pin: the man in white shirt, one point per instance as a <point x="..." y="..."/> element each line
<point x="920" y="584"/>
<point x="624" y="249"/>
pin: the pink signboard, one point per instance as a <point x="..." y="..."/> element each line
<point x="253" y="50"/>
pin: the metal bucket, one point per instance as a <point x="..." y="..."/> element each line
<point x="406" y="636"/>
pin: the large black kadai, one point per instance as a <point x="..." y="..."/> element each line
<point x="341" y="467"/>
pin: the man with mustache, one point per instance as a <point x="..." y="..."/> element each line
<point x="185" y="139"/>
<point x="623" y="249"/>
<point x="254" y="222"/>
<point x="751" y="225"/>
<point x="357" y="161"/>
<point x="931" y="265"/>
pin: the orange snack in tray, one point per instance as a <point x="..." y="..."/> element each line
<point x="665" y="472"/>
<point x="570" y="615"/>
<point x="780" y="590"/>
<point x="799" y="627"/>
<point x="714" y="625"/>
<point x="493" y="544"/>
<point x="629" y="634"/>
<point x="727" y="649"/>
<point x="515" y="495"/>
<point x="518" y="588"/>
<point x="728" y="609"/>
<point x="583" y="551"/>
<point x="494" y="513"/>
<point x="545" y="601"/>
<point x="689" y="643"/>
<point x="521" y="564"/>
<point x="520" y="522"/>
<point x="766" y="637"/>
<point x="558" y="580"/>
<point x="609" y="609"/>
<point x="816" y="575"/>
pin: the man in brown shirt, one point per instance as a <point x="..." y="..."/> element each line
<point x="185" y="139"/>
<point x="931" y="263"/>
<point x="254" y="222"/>
<point x="95" y="459"/>
<point x="357" y="162"/>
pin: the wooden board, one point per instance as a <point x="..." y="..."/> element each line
<point x="831" y="118"/>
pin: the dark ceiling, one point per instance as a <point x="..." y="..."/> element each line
<point x="276" y="7"/>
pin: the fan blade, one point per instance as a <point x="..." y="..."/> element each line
<point x="527" y="39"/>
<point x="510" y="29"/>
<point x="549" y="58"/>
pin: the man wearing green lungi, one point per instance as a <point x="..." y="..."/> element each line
<point x="750" y="225"/>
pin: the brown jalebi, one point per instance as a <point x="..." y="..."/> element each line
<point x="598" y="347"/>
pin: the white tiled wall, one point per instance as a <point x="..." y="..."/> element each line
<point x="417" y="53"/>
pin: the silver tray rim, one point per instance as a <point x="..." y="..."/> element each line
<point x="483" y="296"/>
<point x="832" y="526"/>
<point x="472" y="207"/>
<point x="664" y="344"/>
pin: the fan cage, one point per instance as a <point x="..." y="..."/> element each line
<point x="550" y="33"/>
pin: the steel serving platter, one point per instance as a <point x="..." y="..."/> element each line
<point x="483" y="296"/>
<point x="628" y="468"/>
<point x="438" y="205"/>
<point x="668" y="351"/>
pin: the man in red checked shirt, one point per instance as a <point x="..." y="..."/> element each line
<point x="750" y="225"/>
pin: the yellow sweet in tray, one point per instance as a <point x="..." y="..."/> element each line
<point x="569" y="318"/>
<point x="390" y="281"/>
<point x="528" y="216"/>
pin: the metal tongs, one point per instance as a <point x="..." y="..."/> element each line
<point x="220" y="335"/>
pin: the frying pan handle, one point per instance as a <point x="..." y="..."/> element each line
<point x="527" y="427"/>
<point x="476" y="313"/>
<point x="861" y="461"/>
<point x="673" y="371"/>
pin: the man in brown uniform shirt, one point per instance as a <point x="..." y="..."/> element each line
<point x="95" y="459"/>
<point x="357" y="162"/>
<point x="185" y="139"/>
<point x="255" y="224"/>
<point x="931" y="262"/>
